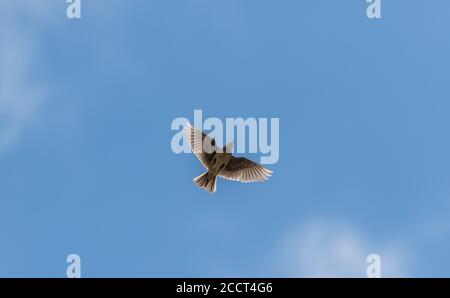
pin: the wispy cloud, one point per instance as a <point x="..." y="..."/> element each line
<point x="324" y="248"/>
<point x="20" y="95"/>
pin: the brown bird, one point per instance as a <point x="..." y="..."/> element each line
<point x="220" y="162"/>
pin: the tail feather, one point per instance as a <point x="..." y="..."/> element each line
<point x="206" y="181"/>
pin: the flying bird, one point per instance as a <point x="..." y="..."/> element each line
<point x="220" y="162"/>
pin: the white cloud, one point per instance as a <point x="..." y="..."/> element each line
<point x="322" y="248"/>
<point x="20" y="95"/>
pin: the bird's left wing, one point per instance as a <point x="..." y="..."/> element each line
<point x="245" y="170"/>
<point x="203" y="146"/>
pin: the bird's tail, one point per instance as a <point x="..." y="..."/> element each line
<point x="206" y="181"/>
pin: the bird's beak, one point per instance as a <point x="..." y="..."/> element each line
<point x="229" y="148"/>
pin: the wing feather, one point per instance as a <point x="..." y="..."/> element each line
<point x="245" y="170"/>
<point x="202" y="145"/>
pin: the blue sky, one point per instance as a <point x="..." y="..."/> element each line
<point x="86" y="165"/>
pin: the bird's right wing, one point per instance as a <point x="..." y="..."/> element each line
<point x="245" y="170"/>
<point x="202" y="145"/>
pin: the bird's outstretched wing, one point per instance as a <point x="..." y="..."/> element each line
<point x="245" y="170"/>
<point x="203" y="146"/>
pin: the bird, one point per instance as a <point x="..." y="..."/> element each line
<point x="220" y="162"/>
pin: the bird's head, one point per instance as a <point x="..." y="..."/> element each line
<point x="228" y="148"/>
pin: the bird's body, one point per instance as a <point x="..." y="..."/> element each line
<point x="220" y="162"/>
